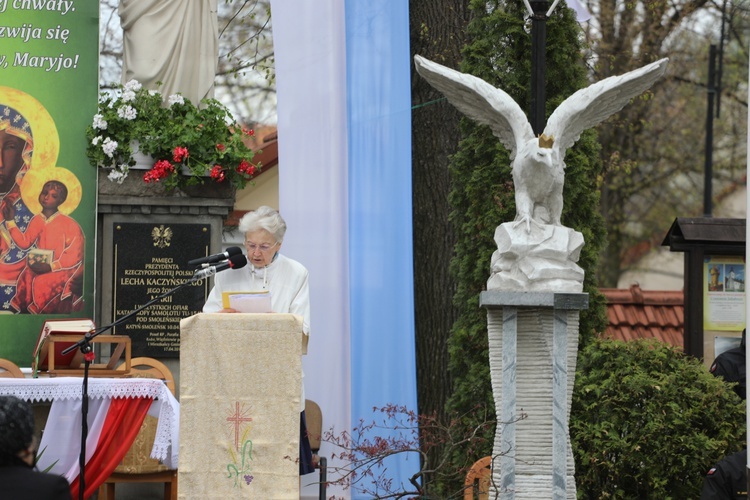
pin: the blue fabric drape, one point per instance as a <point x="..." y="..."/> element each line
<point x="380" y="214"/>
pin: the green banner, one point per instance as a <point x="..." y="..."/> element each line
<point x="48" y="95"/>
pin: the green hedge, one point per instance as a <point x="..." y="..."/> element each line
<point x="648" y="421"/>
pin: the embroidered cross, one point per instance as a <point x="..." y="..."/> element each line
<point x="237" y="418"/>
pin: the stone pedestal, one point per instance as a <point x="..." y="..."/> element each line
<point x="136" y="202"/>
<point x="533" y="344"/>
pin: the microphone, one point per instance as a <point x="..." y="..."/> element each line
<point x="234" y="262"/>
<point x="218" y="257"/>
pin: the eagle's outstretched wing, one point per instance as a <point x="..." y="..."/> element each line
<point x="480" y="101"/>
<point x="590" y="106"/>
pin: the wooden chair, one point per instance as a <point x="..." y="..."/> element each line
<point x="137" y="466"/>
<point x="478" y="479"/>
<point x="8" y="369"/>
<point x="314" y="418"/>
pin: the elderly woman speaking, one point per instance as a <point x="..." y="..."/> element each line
<point x="284" y="278"/>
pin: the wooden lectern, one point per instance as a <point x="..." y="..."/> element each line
<point x="240" y="390"/>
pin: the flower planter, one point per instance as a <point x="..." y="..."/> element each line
<point x="187" y="172"/>
<point x="142" y="161"/>
<point x="134" y="186"/>
<point x="181" y="137"/>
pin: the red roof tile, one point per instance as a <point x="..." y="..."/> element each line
<point x="635" y="314"/>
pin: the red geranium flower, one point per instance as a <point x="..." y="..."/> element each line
<point x="217" y="173"/>
<point x="245" y="167"/>
<point x="220" y="147"/>
<point x="179" y="154"/>
<point x="161" y="169"/>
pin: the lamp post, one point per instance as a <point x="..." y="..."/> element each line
<point x="538" y="11"/>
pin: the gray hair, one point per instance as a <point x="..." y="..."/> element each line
<point x="264" y="218"/>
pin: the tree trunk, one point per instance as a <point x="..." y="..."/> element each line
<point x="438" y="30"/>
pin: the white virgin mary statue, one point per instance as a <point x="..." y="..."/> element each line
<point x="171" y="41"/>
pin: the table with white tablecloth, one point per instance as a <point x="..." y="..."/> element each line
<point x="112" y="402"/>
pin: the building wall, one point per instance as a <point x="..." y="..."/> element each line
<point x="661" y="269"/>
<point x="265" y="191"/>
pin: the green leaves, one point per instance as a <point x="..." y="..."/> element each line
<point x="648" y="421"/>
<point x="163" y="126"/>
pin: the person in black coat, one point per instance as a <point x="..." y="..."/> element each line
<point x="730" y="366"/>
<point x="19" y="478"/>
<point x="727" y="480"/>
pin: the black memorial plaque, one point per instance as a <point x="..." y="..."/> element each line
<point x="149" y="260"/>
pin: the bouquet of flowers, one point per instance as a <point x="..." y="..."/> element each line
<point x="187" y="143"/>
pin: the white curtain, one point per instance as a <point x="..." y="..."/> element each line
<point x="343" y="93"/>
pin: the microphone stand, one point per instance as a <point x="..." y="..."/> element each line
<point x="88" y="356"/>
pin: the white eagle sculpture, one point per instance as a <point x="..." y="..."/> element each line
<point x="537" y="162"/>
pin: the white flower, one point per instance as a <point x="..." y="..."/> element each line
<point x="96" y="140"/>
<point x="127" y="112"/>
<point x="154" y="92"/>
<point x="132" y="85"/>
<point x="109" y="146"/>
<point x="100" y="122"/>
<point x="128" y="96"/>
<point x="117" y="175"/>
<point x="176" y="99"/>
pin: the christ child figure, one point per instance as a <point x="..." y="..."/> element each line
<point x="50" y="282"/>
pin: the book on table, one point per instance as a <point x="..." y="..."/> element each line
<point x="74" y="328"/>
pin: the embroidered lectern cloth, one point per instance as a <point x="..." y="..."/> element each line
<point x="240" y="385"/>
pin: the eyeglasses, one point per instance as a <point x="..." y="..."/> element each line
<point x="265" y="247"/>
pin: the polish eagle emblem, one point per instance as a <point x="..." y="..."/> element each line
<point x="162" y="236"/>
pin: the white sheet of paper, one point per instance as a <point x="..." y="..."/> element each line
<point x="251" y="302"/>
